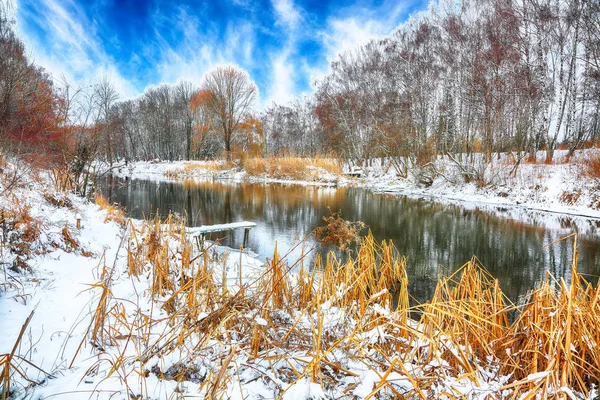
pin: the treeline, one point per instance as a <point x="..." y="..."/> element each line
<point x="172" y="122"/>
<point x="479" y="76"/>
<point x="485" y="76"/>
<point x="167" y="122"/>
<point x="471" y="77"/>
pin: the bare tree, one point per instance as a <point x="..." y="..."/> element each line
<point x="105" y="96"/>
<point x="231" y="96"/>
<point x="184" y="92"/>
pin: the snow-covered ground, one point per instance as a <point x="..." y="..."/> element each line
<point x="557" y="187"/>
<point x="55" y="258"/>
<point x="173" y="170"/>
<point x="132" y="309"/>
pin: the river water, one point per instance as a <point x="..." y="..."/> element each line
<point x="435" y="237"/>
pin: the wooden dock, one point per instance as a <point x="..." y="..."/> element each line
<point x="202" y="231"/>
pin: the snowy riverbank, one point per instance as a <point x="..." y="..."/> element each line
<point x="131" y="309"/>
<point x="64" y="258"/>
<point x="558" y="187"/>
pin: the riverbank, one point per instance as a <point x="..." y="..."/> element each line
<point x="560" y="187"/>
<point x="129" y="309"/>
<point x="68" y="266"/>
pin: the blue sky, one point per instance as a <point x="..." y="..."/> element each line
<point x="283" y="44"/>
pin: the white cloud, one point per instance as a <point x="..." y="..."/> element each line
<point x="201" y="49"/>
<point x="357" y="27"/>
<point x="70" y="47"/>
<point x="286" y="13"/>
<point x="73" y="47"/>
<point x="349" y="33"/>
<point x="341" y="35"/>
<point x="282" y="88"/>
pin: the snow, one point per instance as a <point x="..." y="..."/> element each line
<point x="555" y="188"/>
<point x="261" y="321"/>
<point x="199" y="230"/>
<point x="537" y="376"/>
<point x="304" y="389"/>
<point x="62" y="286"/>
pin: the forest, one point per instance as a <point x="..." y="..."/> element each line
<point x="461" y="78"/>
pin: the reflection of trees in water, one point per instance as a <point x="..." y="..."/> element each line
<point x="432" y="234"/>
<point x="435" y="238"/>
<point x="271" y="204"/>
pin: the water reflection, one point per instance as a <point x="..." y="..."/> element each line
<point x="435" y="238"/>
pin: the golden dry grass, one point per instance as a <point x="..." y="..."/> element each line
<point x="113" y="212"/>
<point x="199" y="167"/>
<point x="285" y="168"/>
<point x="556" y="334"/>
<point x="590" y="167"/>
<point x="316" y="323"/>
<point x="291" y="168"/>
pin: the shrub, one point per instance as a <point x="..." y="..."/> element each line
<point x="590" y="167"/>
<point x="20" y="230"/>
<point x="338" y="232"/>
<point x="58" y="200"/>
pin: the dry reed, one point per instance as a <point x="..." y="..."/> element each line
<point x="291" y="168"/>
<point x="339" y="321"/>
<point x="113" y="213"/>
<point x="285" y="168"/>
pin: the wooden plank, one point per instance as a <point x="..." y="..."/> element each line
<point x="246" y="234"/>
<point x="200" y="230"/>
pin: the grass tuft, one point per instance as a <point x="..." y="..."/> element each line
<point x="590" y="167"/>
<point x="113" y="213"/>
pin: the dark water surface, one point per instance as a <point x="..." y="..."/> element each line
<point x="435" y="238"/>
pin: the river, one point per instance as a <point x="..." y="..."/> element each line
<point x="435" y="237"/>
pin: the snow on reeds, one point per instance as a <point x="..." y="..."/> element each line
<point x="277" y="168"/>
<point x="338" y="329"/>
<point x="172" y="317"/>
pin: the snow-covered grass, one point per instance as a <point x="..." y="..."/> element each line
<point x="134" y="309"/>
<point x="562" y="187"/>
<point x="326" y="171"/>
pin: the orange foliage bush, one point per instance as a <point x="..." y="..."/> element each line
<point x="590" y="167"/>
<point x="338" y="232"/>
